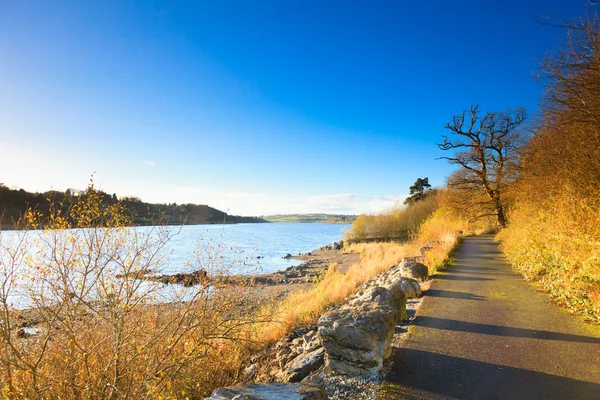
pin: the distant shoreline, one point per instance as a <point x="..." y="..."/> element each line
<point x="311" y="218"/>
<point x="10" y="227"/>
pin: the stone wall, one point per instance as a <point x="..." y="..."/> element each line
<point x="353" y="339"/>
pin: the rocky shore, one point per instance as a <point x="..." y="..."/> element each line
<point x="270" y="285"/>
<point x="314" y="264"/>
<point x="346" y="354"/>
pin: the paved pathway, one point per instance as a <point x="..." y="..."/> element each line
<point x="484" y="333"/>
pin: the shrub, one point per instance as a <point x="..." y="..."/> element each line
<point x="398" y="223"/>
<point x="98" y="331"/>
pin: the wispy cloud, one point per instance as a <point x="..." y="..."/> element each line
<point x="147" y="163"/>
<point x="378" y="204"/>
<point x="263" y="204"/>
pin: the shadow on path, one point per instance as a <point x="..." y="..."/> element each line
<point x="450" y="294"/>
<point x="442" y="377"/>
<point x="471" y="268"/>
<point x="461" y="278"/>
<point x="485" y="329"/>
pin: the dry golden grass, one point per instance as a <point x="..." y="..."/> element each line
<point x="304" y="308"/>
<point x="442" y="228"/>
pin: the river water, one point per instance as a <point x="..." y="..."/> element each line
<point x="218" y="249"/>
<point x="261" y="245"/>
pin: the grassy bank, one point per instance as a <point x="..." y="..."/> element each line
<point x="557" y="244"/>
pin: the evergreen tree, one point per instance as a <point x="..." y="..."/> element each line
<point x="418" y="190"/>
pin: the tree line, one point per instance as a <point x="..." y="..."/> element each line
<point x="15" y="202"/>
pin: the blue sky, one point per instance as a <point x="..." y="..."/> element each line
<point x="256" y="107"/>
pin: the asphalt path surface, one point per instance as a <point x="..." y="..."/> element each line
<point x="484" y="333"/>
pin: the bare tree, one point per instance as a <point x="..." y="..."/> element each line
<point x="486" y="149"/>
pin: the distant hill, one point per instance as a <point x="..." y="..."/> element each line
<point x="328" y="218"/>
<point x="13" y="202"/>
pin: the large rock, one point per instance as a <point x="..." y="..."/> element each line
<point x="425" y="249"/>
<point x="185" y="279"/>
<point x="353" y="339"/>
<point x="434" y="243"/>
<point x="400" y="289"/>
<point x="311" y="341"/>
<point x="296" y="356"/>
<point x="392" y="296"/>
<point x="411" y="287"/>
<point x="271" y="391"/>
<point x="301" y="366"/>
<point x="357" y="338"/>
<point x="410" y="268"/>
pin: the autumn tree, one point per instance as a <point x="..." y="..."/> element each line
<point x="486" y="150"/>
<point x="566" y="148"/>
<point x="571" y="75"/>
<point x="555" y="219"/>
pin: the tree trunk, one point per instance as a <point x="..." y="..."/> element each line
<point x="501" y="217"/>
